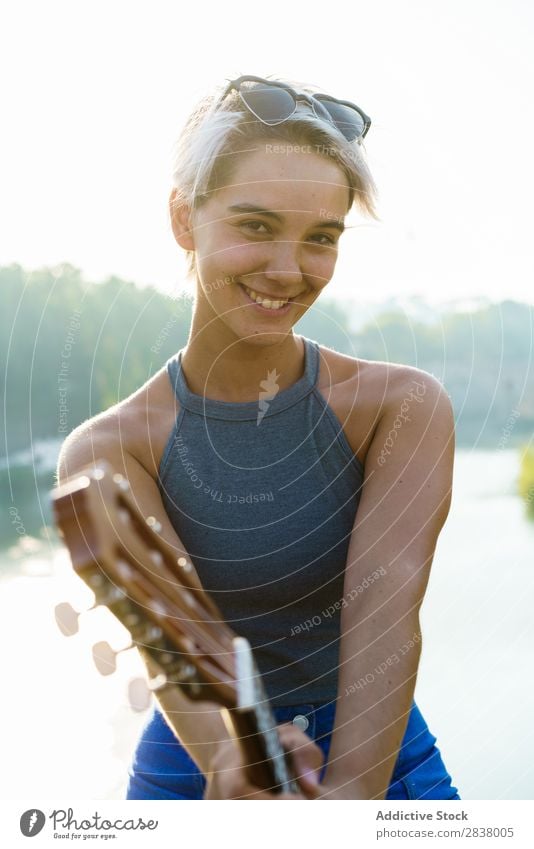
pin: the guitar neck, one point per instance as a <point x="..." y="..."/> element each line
<point x="253" y="723"/>
<point x="176" y="626"/>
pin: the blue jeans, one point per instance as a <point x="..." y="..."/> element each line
<point x="162" y="769"/>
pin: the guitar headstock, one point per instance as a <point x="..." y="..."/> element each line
<point x="150" y="587"/>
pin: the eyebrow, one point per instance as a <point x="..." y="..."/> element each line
<point x="335" y="224"/>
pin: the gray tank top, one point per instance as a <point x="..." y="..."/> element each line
<point x="263" y="495"/>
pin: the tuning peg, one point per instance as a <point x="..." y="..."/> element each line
<point x="184" y="564"/>
<point x="121" y="481"/>
<point x="186" y="673"/>
<point x="106" y="593"/>
<point x="105" y="657"/>
<point x="67" y="619"/>
<point x="139" y="695"/>
<point x="140" y="692"/>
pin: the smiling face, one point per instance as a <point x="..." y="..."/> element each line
<point x="272" y="233"/>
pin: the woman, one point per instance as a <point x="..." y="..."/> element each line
<point x="308" y="487"/>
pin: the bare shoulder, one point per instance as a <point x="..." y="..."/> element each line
<point x="363" y="393"/>
<point x="139" y="424"/>
<point x="381" y="377"/>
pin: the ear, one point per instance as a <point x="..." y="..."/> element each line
<point x="181" y="222"/>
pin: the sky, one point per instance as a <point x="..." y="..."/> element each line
<point x="94" y="95"/>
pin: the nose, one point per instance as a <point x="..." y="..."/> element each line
<point x="284" y="264"/>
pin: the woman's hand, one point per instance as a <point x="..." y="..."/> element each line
<point x="227" y="778"/>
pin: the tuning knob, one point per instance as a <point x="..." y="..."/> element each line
<point x="105" y="658"/>
<point x="67" y="619"/>
<point x="140" y="693"/>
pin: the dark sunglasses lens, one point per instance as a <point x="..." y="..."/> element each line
<point x="348" y="121"/>
<point x="269" y="103"/>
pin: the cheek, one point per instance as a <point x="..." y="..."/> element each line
<point x="228" y="259"/>
<point x="319" y="267"/>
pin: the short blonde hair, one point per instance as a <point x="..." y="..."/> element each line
<point x="206" y="151"/>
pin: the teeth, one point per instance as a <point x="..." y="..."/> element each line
<point x="264" y="302"/>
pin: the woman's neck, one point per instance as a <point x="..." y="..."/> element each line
<point x="233" y="370"/>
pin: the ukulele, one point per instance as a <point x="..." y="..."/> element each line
<point x="155" y="592"/>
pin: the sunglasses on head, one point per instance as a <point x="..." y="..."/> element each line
<point x="273" y="102"/>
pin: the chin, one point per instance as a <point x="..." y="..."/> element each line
<point x="258" y="338"/>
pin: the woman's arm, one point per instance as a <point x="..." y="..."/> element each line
<point x="199" y="725"/>
<point x="404" y="503"/>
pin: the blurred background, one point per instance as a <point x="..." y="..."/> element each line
<point x="93" y="300"/>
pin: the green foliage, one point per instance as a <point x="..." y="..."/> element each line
<point x="67" y="343"/>
<point x="327" y="322"/>
<point x="526" y="478"/>
<point x="482" y="358"/>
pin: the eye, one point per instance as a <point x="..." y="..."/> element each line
<point x="330" y="242"/>
<point x="254" y="226"/>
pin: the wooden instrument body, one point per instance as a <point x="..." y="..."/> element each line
<point x="156" y="594"/>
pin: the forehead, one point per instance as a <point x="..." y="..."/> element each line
<point x="280" y="175"/>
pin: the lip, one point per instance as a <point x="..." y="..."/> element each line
<point x="265" y="310"/>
